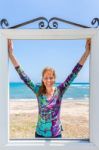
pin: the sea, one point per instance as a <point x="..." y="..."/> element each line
<point x="18" y="90"/>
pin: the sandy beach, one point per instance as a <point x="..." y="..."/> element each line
<point x="24" y="114"/>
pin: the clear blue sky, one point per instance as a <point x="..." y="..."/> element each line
<point x="61" y="55"/>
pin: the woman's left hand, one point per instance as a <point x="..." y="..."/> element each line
<point x="88" y="46"/>
<point x="86" y="53"/>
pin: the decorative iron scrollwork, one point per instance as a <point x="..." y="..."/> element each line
<point x="94" y="21"/>
<point x="55" y="21"/>
<point x="44" y="23"/>
<point x="3" y="23"/>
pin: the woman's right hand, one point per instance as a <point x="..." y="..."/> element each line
<point x="11" y="56"/>
<point x="10" y="47"/>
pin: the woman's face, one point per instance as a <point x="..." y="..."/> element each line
<point x="48" y="79"/>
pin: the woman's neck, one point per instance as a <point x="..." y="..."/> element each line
<point x="50" y="91"/>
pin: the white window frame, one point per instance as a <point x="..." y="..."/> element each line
<point x="50" y="34"/>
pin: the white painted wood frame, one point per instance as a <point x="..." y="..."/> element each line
<point x="49" y="34"/>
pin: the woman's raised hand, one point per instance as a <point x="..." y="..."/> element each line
<point x="88" y="46"/>
<point x="10" y="47"/>
<point x="86" y="53"/>
<point x="11" y="55"/>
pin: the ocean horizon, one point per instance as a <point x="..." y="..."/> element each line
<point x="18" y="90"/>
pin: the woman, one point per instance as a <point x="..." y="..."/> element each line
<point x="49" y="97"/>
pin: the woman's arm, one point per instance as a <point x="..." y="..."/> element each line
<point x="20" y="71"/>
<point x="86" y="53"/>
<point x="63" y="86"/>
<point x="11" y="54"/>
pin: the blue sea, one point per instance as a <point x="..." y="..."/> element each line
<point x="75" y="91"/>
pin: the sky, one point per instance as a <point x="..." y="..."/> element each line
<point x="62" y="55"/>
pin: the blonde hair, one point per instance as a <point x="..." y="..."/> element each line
<point x="42" y="89"/>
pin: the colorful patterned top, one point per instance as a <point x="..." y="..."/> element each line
<point x="49" y="124"/>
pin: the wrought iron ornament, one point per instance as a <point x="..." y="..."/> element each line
<point x="44" y="23"/>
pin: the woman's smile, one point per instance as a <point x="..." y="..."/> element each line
<point x="48" y="79"/>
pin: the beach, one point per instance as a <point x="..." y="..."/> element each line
<point x="23" y="116"/>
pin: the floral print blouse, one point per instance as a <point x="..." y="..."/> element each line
<point x="49" y="124"/>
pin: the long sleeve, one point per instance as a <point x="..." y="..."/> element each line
<point x="27" y="80"/>
<point x="63" y="86"/>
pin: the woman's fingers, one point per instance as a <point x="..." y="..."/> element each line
<point x="88" y="41"/>
<point x="10" y="46"/>
<point x="88" y="44"/>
